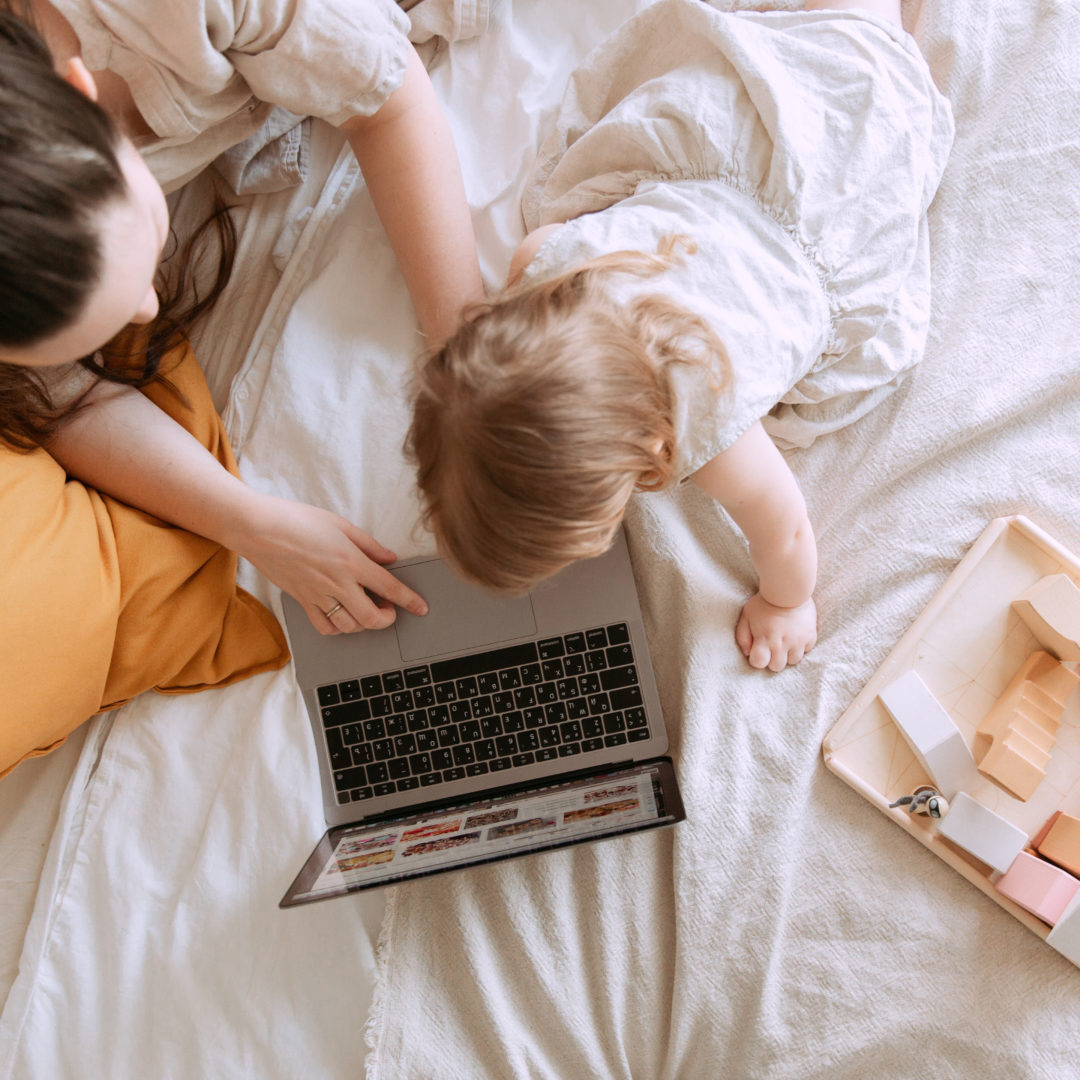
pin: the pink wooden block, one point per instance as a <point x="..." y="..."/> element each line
<point x="1038" y="886"/>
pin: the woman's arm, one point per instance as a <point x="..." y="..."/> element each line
<point x="124" y="445"/>
<point x="410" y="164"/>
<point x="754" y="484"/>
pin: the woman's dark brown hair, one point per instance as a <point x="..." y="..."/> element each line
<point x="58" y="171"/>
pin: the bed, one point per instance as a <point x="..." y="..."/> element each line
<point x="786" y="928"/>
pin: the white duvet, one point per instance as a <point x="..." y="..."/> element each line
<point x="785" y="929"/>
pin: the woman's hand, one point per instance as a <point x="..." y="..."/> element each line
<point x="324" y="561"/>
<point x="773" y="637"/>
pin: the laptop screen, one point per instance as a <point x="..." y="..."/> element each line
<point x="554" y="814"/>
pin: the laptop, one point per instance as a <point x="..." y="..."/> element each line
<point x="492" y="727"/>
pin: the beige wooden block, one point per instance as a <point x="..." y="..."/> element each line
<point x="1061" y="842"/>
<point x="1051" y="609"/>
<point x="1014" y="741"/>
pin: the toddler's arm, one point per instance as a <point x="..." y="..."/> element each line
<point x="752" y="481"/>
<point x="124" y="445"/>
<point x="410" y="165"/>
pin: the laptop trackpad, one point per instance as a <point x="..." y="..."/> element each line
<point x="462" y="616"/>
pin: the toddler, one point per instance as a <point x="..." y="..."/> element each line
<point x="728" y="247"/>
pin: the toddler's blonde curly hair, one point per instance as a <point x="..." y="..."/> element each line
<point x="534" y="424"/>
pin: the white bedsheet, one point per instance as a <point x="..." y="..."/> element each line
<point x="785" y="929"/>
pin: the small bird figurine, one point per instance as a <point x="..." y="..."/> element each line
<point x="925" y="800"/>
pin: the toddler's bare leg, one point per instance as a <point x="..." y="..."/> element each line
<point x="884" y="9"/>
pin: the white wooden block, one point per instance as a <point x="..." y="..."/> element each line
<point x="1065" y="936"/>
<point x="1051" y="609"/>
<point x="936" y="741"/>
<point x="988" y="836"/>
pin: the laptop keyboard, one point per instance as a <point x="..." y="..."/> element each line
<point x="483" y="713"/>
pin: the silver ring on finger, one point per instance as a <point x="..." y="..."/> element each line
<point x="335" y="609"/>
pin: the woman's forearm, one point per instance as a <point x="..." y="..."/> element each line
<point x="410" y="164"/>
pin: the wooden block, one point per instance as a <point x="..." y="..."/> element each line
<point x="983" y="833"/>
<point x="1059" y="842"/>
<point x="1014" y="740"/>
<point x="1051" y="609"/>
<point x="1065" y="936"/>
<point x="1038" y="886"/>
<point x="937" y="743"/>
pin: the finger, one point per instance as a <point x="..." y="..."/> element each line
<point x="795" y="655"/>
<point x="369" y="545"/>
<point x="759" y="654"/>
<point x="778" y="659"/>
<point x="318" y="619"/>
<point x="743" y="638"/>
<point x="370" y="612"/>
<point x="397" y="592"/>
<point x="344" y="622"/>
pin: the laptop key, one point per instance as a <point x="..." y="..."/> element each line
<point x="470" y="731"/>
<point x="377" y="772"/>
<point x="464" y="755"/>
<point x="547" y="753"/>
<point x="535" y="717"/>
<point x="430" y="778"/>
<point x="362" y="754"/>
<point x="485" y="749"/>
<point x="328" y="695"/>
<point x="546" y="692"/>
<point x="499" y="764"/>
<point x="427" y="740"/>
<point x="570" y="731"/>
<point x="567" y="688"/>
<point x="637" y="735"/>
<point x="510" y="656"/>
<point x="408" y="783"/>
<point x="589" y="745"/>
<point x="618" y="633"/>
<point x="438" y="715"/>
<point x="549" y="736"/>
<point x="423" y="696"/>
<point x="524" y="697"/>
<point x="346" y="779"/>
<point x="396" y="725"/>
<point x="592" y="726"/>
<point x="569" y="749"/>
<point x="596" y="660"/>
<point x="596" y="639"/>
<point x="598" y="703"/>
<point x="555" y="712"/>
<point x="626" y="698"/>
<point x="374" y="729"/>
<point x="482" y="706"/>
<point x="518" y="760"/>
<point x="513" y="721"/>
<point x="531" y="674"/>
<point x="417" y="676"/>
<point x="615" y="678"/>
<point x="635" y="718"/>
<point x="399" y="768"/>
<point x="506" y="744"/>
<point x="393" y="681"/>
<point x="448" y="736"/>
<point x="614" y="722"/>
<point x="383" y="749"/>
<point x="350" y="690"/>
<point x="618" y="655"/>
<point x="420" y="764"/>
<point x="460" y="710"/>
<point x="528" y="740"/>
<point x="453" y="774"/>
<point x="477" y="768"/>
<point x="341" y="758"/>
<point x="510" y="679"/>
<point x="380" y="706"/>
<point x="550" y="648"/>
<point x="552" y="669"/>
<point x="404" y="745"/>
<point x="445" y="691"/>
<point x="503" y="702"/>
<point x="467" y="688"/>
<point x="589" y="684"/>
<point x="490" y="726"/>
<point x="488" y="682"/>
<point x="417" y="720"/>
<point x="575" y="643"/>
<point x="359" y="794"/>
<point x="352" y="713"/>
<point x="401" y="700"/>
<point x="574" y="664"/>
<point x="371" y="686"/>
<point x="442" y="759"/>
<point x="576" y="709"/>
<point x="618" y="739"/>
<point x="385" y="789"/>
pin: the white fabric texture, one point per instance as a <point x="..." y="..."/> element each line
<point x="207" y="74"/>
<point x="786" y="929"/>
<point x="799" y="152"/>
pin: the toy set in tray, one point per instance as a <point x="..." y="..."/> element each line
<point x="968" y="735"/>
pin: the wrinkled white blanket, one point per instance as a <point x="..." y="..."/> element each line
<point x="786" y="929"/>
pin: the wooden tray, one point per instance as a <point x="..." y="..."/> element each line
<point x="966" y="646"/>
